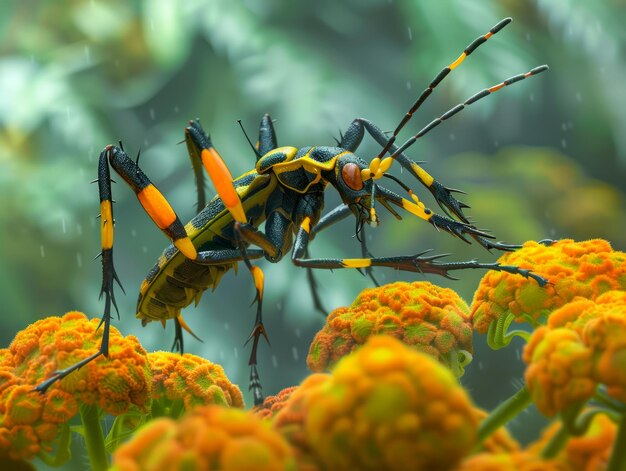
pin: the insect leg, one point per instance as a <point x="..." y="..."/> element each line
<point x="267" y="136"/>
<point x="109" y="277"/>
<point x="196" y="164"/>
<point x="216" y="168"/>
<point x="441" y="193"/>
<point x="421" y="262"/>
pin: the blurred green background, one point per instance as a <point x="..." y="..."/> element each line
<point x="543" y="158"/>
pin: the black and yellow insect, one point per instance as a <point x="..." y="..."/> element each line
<point x="285" y="192"/>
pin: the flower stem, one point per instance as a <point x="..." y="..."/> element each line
<point x="556" y="443"/>
<point x="94" y="438"/>
<point x="502" y="414"/>
<point x="618" y="455"/>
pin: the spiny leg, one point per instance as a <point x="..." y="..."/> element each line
<point x="109" y="276"/>
<point x="420" y="262"/>
<point x="196" y="163"/>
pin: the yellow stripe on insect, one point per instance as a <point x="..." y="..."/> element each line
<point x="186" y="247"/>
<point x="106" y="224"/>
<point x="417" y="210"/>
<point x="422" y="174"/>
<point x="259" y="280"/>
<point x="306" y="225"/>
<point x="156" y="206"/>
<point x="356" y="262"/>
<point x="223" y="183"/>
<point x="456" y="63"/>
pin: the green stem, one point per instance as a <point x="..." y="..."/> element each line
<point x="556" y="443"/>
<point x="618" y="455"/>
<point x="94" y="438"/>
<point x="502" y="414"/>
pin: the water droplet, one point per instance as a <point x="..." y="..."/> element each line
<point x="579" y="97"/>
<point x="79" y="260"/>
<point x="563" y="143"/>
<point x="42" y="251"/>
<point x="274" y="361"/>
<point x="152" y="114"/>
<point x="144" y="249"/>
<point x="63" y="225"/>
<point x="564" y="126"/>
<point x="79" y="229"/>
<point x="297" y="332"/>
<point x="452" y="137"/>
<point x="527" y="36"/>
<point x="133" y="233"/>
<point x="226" y="326"/>
<point x="294" y="351"/>
<point x="410" y="34"/>
<point x="236" y="353"/>
<point x="408" y="85"/>
<point x="496" y="144"/>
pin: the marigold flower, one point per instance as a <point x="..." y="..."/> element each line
<point x="429" y="318"/>
<point x="515" y="461"/>
<point x="586" y="269"/>
<point x="114" y="383"/>
<point x="584" y="344"/>
<point x="588" y="452"/>
<point x="207" y="438"/>
<point x="387" y="406"/>
<point x="192" y="380"/>
<point x="559" y="372"/>
<point x="30" y="421"/>
<point x="273" y="404"/>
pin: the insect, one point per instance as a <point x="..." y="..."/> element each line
<point x="285" y="192"/>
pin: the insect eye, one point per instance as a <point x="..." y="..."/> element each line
<point x="351" y="174"/>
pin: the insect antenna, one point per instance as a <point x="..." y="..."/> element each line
<point x="439" y="77"/>
<point x="256" y="151"/>
<point x="473" y="99"/>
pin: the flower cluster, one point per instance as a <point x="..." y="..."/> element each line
<point x="585" y="269"/>
<point x="188" y="381"/>
<point x="30" y="421"/>
<point x="583" y="345"/>
<point x="387" y="406"/>
<point x="429" y="318"/>
<point x="207" y="438"/>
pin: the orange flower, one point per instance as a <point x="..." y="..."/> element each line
<point x="429" y="318"/>
<point x="515" y="461"/>
<point x="584" y="344"/>
<point x="30" y="421"/>
<point x="192" y="380"/>
<point x="207" y="438"/>
<point x="387" y="406"/>
<point x="588" y="452"/>
<point x="586" y="269"/>
<point x="273" y="404"/>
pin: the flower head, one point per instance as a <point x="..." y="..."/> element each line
<point x="273" y="404"/>
<point x="514" y="461"/>
<point x="387" y="406"/>
<point x="114" y="383"/>
<point x="583" y="345"/>
<point x="207" y="438"/>
<point x="586" y="269"/>
<point x="191" y="380"/>
<point x="428" y="318"/>
<point x="29" y="420"/>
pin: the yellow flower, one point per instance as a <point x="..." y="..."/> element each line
<point x="273" y="404"/>
<point x="192" y="380"/>
<point x="586" y="269"/>
<point x="428" y="318"/>
<point x="207" y="438"/>
<point x="29" y="420"/>
<point x="387" y="406"/>
<point x="588" y="452"/>
<point x="515" y="461"/>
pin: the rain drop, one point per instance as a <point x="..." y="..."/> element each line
<point x="297" y="332"/>
<point x="563" y="143"/>
<point x="133" y="233"/>
<point x="294" y="351"/>
<point x="152" y="114"/>
<point x="79" y="230"/>
<point x="274" y="361"/>
<point x="236" y="353"/>
<point x="410" y="34"/>
<point x="79" y="260"/>
<point x="144" y="249"/>
<point x="63" y="225"/>
<point x="226" y="326"/>
<point x="42" y="251"/>
<point x="452" y="137"/>
<point x="408" y="85"/>
<point x="579" y="97"/>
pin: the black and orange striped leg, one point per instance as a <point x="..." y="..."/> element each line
<point x="109" y="276"/>
<point x="276" y="226"/>
<point x="419" y="263"/>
